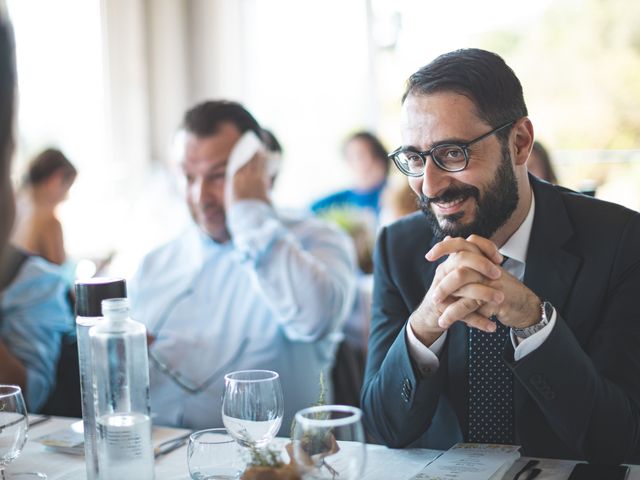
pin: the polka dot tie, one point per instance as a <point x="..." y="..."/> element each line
<point x="490" y="388"/>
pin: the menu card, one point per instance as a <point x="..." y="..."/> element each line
<point x="470" y="461"/>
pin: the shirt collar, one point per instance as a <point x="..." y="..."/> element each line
<point x="208" y="246"/>
<point x="517" y="245"/>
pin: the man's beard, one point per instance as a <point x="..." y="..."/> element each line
<point x="494" y="207"/>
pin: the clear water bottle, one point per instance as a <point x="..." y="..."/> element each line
<point x="89" y="296"/>
<point x="121" y="382"/>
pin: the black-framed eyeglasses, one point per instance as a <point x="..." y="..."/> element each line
<point x="450" y="157"/>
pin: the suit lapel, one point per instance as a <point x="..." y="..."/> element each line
<point x="551" y="269"/>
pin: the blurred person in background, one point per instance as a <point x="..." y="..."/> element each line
<point x="540" y="165"/>
<point x="367" y="159"/>
<point x="33" y="306"/>
<point x="245" y="287"/>
<point x="356" y="210"/>
<point x="37" y="230"/>
<point x="398" y="200"/>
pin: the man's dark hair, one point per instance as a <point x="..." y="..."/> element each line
<point x="481" y="76"/>
<point x="375" y="146"/>
<point x="46" y="164"/>
<point x="270" y="141"/>
<point x="205" y="118"/>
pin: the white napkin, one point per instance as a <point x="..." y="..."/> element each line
<point x="245" y="148"/>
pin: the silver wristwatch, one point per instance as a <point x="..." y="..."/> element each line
<point x="547" y="312"/>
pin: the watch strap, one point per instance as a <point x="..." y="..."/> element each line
<point x="546" y="312"/>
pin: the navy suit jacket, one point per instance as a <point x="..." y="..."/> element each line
<point x="577" y="396"/>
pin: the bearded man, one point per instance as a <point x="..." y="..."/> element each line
<point x="506" y="311"/>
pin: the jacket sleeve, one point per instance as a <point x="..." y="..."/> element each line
<point x="588" y="388"/>
<point x="398" y="403"/>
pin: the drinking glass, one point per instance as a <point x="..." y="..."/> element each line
<point x="213" y="454"/>
<point x="252" y="407"/>
<point x="328" y="442"/>
<point x="14" y="424"/>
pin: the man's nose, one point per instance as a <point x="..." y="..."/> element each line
<point x="197" y="191"/>
<point x="434" y="180"/>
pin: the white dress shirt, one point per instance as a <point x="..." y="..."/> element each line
<point x="515" y="248"/>
<point x="275" y="298"/>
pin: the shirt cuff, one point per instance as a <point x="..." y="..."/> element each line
<point x="254" y="228"/>
<point x="529" y="344"/>
<point x="426" y="358"/>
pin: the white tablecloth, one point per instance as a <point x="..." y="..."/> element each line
<point x="382" y="463"/>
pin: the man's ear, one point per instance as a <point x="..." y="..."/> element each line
<point x="522" y="133"/>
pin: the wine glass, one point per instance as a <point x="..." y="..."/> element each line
<point x="253" y="406"/>
<point x="328" y="442"/>
<point x="14" y="424"/>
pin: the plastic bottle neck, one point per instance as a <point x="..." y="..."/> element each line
<point x="117" y="318"/>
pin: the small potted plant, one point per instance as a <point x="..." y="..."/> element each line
<point x="267" y="464"/>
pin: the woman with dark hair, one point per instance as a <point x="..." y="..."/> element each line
<point x="46" y="184"/>
<point x="367" y="159"/>
<point x="356" y="209"/>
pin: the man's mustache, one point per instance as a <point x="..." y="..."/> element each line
<point x="450" y="195"/>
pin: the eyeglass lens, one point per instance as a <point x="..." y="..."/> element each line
<point x="448" y="157"/>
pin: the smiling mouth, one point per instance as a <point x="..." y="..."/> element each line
<point x="449" y="205"/>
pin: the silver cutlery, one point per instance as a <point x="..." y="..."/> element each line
<point x="171" y="445"/>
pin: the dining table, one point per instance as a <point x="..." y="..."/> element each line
<point x="382" y="463"/>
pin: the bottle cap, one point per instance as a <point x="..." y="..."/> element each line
<point x="90" y="293"/>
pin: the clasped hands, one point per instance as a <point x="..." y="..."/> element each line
<point x="470" y="286"/>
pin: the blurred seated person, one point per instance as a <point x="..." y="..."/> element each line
<point x="244" y="287"/>
<point x="398" y="200"/>
<point x="46" y="184"/>
<point x="35" y="313"/>
<point x="367" y="159"/>
<point x="540" y="165"/>
<point x="356" y="211"/>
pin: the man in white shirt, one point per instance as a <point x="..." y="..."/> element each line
<point x="243" y="288"/>
<point x="506" y="311"/>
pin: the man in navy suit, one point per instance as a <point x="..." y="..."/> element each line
<point x="507" y="311"/>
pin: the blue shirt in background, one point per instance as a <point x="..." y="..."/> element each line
<point x="36" y="313"/>
<point x="369" y="199"/>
